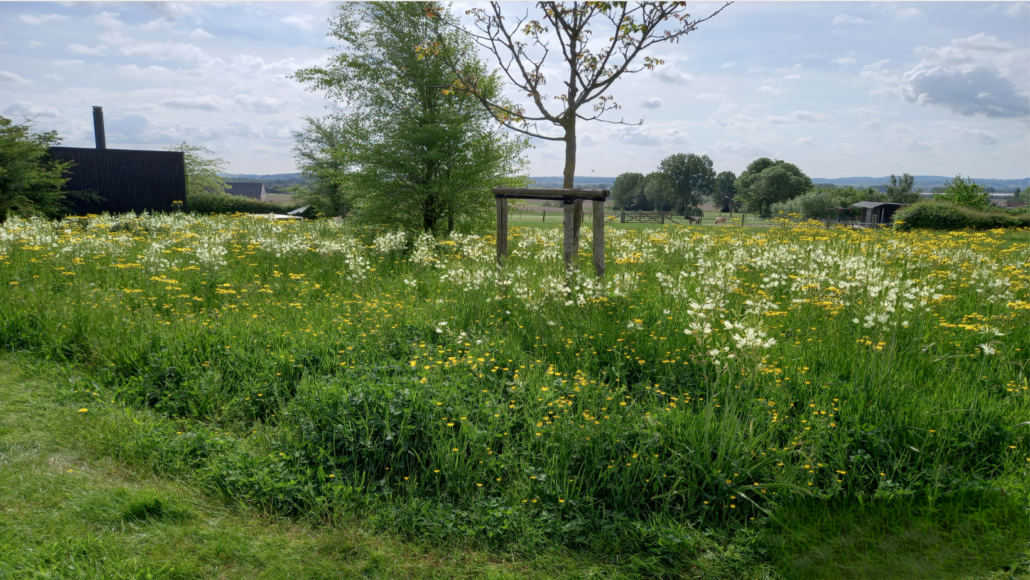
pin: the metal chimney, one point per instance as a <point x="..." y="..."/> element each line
<point x="98" y="127"/>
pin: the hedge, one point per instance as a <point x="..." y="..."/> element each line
<point x="944" y="215"/>
<point x="225" y="203"/>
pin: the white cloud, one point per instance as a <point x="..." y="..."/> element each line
<point x="710" y="96"/>
<point x="54" y="77"/>
<point x="115" y="37"/>
<point x="302" y="21"/>
<point x="156" y="24"/>
<point x="807" y="141"/>
<point x="846" y="61"/>
<point x="791" y="77"/>
<point x="776" y="120"/>
<point x="202" y="103"/>
<point x="28" y="110"/>
<point x="741" y="149"/>
<point x="1018" y="9"/>
<point x="260" y="104"/>
<point x="673" y="75"/>
<point x="845" y="19"/>
<point x="809" y="116"/>
<point x="83" y="49"/>
<point x="871" y="124"/>
<point x="200" y="33"/>
<point x="649" y="136"/>
<point x="165" y="51"/>
<point x="980" y="135"/>
<point x="241" y="129"/>
<point x="41" y="18"/>
<point x="768" y="90"/>
<point x="728" y="64"/>
<point x="107" y="20"/>
<point x="651" y="103"/>
<point x="10" y="77"/>
<point x="66" y="62"/>
<point x="906" y="13"/>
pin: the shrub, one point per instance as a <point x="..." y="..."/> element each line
<point x="226" y="204"/>
<point x="945" y="215"/>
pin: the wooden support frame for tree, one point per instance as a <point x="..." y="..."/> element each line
<point x="569" y="199"/>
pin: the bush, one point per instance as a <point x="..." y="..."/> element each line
<point x="225" y="203"/>
<point x="945" y="215"/>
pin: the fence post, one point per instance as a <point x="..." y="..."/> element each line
<point x="543" y="215"/>
<point x="662" y="218"/>
<point x="599" y="238"/>
<point x="569" y="228"/>
<point x="622" y="219"/>
<point x="742" y="220"/>
<point x="502" y="229"/>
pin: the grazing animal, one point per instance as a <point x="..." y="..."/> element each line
<point x="720" y="220"/>
<point x="693" y="220"/>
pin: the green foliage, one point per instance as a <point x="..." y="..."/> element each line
<point x="201" y="172"/>
<point x="30" y="182"/>
<point x="947" y="215"/>
<point x="692" y="176"/>
<point x="319" y="152"/>
<point x="766" y="182"/>
<point x="900" y="190"/>
<point x="414" y="156"/>
<point x="223" y="203"/>
<point x="725" y="192"/>
<point x="659" y="191"/>
<point x="820" y="202"/>
<point x="964" y="192"/>
<point x="626" y="189"/>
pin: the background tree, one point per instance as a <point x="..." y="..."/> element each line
<point x="589" y="65"/>
<point x="201" y="172"/>
<point x="964" y="192"/>
<point x="319" y="152"/>
<point x="415" y="156"/>
<point x="766" y="182"/>
<point x="660" y="191"/>
<point x="625" y="189"/>
<point x="30" y="182"/>
<point x="691" y="175"/>
<point x="1019" y="196"/>
<point x="900" y="190"/>
<point x="725" y="191"/>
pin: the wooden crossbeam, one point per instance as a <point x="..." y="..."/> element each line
<point x="550" y="193"/>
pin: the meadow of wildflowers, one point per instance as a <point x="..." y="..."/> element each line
<point x="713" y="377"/>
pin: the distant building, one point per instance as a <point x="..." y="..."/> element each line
<point x="251" y="190"/>
<point x="877" y="213"/>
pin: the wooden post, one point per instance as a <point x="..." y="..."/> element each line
<point x="599" y="238"/>
<point x="502" y="230"/>
<point x="569" y="229"/>
<point x="741" y="220"/>
<point x="543" y="215"/>
<point x="663" y="218"/>
<point x="622" y="218"/>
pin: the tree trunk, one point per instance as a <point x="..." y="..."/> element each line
<point x="569" y="181"/>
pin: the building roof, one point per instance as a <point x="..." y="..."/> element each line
<point x="876" y="204"/>
<point x="252" y="190"/>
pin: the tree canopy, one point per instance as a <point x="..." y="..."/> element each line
<point x="900" y="190"/>
<point x="725" y="192"/>
<point x="30" y="182"/>
<point x="201" y="172"/>
<point x="964" y="191"/>
<point x="767" y="181"/>
<point x="414" y="155"/>
<point x="691" y="176"/>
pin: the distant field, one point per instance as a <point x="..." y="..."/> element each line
<point x="279" y="198"/>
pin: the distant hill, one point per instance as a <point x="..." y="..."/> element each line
<point x="584" y="181"/>
<point x="926" y="182"/>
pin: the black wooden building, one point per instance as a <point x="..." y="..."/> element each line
<point x="122" y="180"/>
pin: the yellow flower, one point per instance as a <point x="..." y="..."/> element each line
<point x="84" y="410"/>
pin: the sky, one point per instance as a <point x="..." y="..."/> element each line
<point x="840" y="89"/>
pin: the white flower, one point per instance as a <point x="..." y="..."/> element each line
<point x="550" y="323"/>
<point x="987" y="349"/>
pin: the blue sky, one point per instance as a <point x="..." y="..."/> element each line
<point x="840" y="89"/>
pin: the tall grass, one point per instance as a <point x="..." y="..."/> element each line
<point x="714" y="379"/>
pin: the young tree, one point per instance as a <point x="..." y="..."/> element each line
<point x="415" y="156"/>
<point x="626" y="188"/>
<point x="725" y="191"/>
<point x="691" y="175"/>
<point x="524" y="47"/>
<point x="319" y="153"/>
<point x="900" y="190"/>
<point x="766" y="182"/>
<point x="201" y="172"/>
<point x="964" y="192"/>
<point x="30" y="182"/>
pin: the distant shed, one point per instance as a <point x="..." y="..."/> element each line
<point x="251" y="190"/>
<point x="877" y="213"/>
<point x="126" y="180"/>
